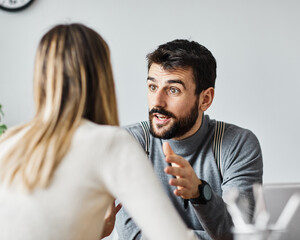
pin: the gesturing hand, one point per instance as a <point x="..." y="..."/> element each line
<point x="110" y="218"/>
<point x="186" y="179"/>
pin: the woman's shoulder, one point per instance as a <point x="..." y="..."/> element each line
<point x="114" y="142"/>
<point x="89" y="131"/>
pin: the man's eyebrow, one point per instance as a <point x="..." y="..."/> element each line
<point x="151" y="79"/>
<point x="177" y="81"/>
<point x="168" y="81"/>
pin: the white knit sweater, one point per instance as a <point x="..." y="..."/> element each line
<point x="103" y="162"/>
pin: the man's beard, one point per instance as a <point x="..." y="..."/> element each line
<point x="179" y="127"/>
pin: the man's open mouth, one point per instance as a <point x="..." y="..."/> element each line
<point x="161" y="116"/>
<point x="161" y="119"/>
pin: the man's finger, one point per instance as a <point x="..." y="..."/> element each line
<point x="175" y="159"/>
<point x="181" y="193"/>
<point x="175" y="171"/>
<point x="167" y="149"/>
<point x="178" y="182"/>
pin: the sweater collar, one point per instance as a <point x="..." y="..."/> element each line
<point x="189" y="145"/>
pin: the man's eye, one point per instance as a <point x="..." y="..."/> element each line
<point x="152" y="88"/>
<point x="174" y="90"/>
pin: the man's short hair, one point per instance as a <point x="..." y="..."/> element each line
<point x="185" y="54"/>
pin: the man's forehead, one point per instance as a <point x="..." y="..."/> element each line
<point x="157" y="70"/>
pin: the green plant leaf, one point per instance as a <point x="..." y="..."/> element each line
<point x="3" y="128"/>
<point x="1" y="112"/>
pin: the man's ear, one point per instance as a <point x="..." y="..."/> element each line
<point x="206" y="98"/>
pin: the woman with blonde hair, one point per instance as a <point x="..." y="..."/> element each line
<point x="60" y="172"/>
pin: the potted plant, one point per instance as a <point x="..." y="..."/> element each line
<point x="2" y="126"/>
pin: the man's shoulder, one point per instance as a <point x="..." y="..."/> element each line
<point x="238" y="132"/>
<point x="136" y="130"/>
<point x="237" y="138"/>
<point x="233" y="134"/>
<point x="133" y="128"/>
<point x="230" y="129"/>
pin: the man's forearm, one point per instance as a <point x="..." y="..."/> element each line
<point x="215" y="218"/>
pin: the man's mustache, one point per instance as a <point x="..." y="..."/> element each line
<point x="162" y="111"/>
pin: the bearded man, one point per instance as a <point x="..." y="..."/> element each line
<point x="197" y="159"/>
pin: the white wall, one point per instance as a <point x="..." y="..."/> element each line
<point x="256" y="44"/>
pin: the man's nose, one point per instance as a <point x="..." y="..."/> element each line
<point x="159" y="99"/>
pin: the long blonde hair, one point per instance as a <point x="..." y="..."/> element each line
<point x="73" y="80"/>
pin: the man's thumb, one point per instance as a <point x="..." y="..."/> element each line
<point x="167" y="149"/>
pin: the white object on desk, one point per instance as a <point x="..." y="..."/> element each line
<point x="284" y="213"/>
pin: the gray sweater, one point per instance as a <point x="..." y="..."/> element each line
<point x="241" y="167"/>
